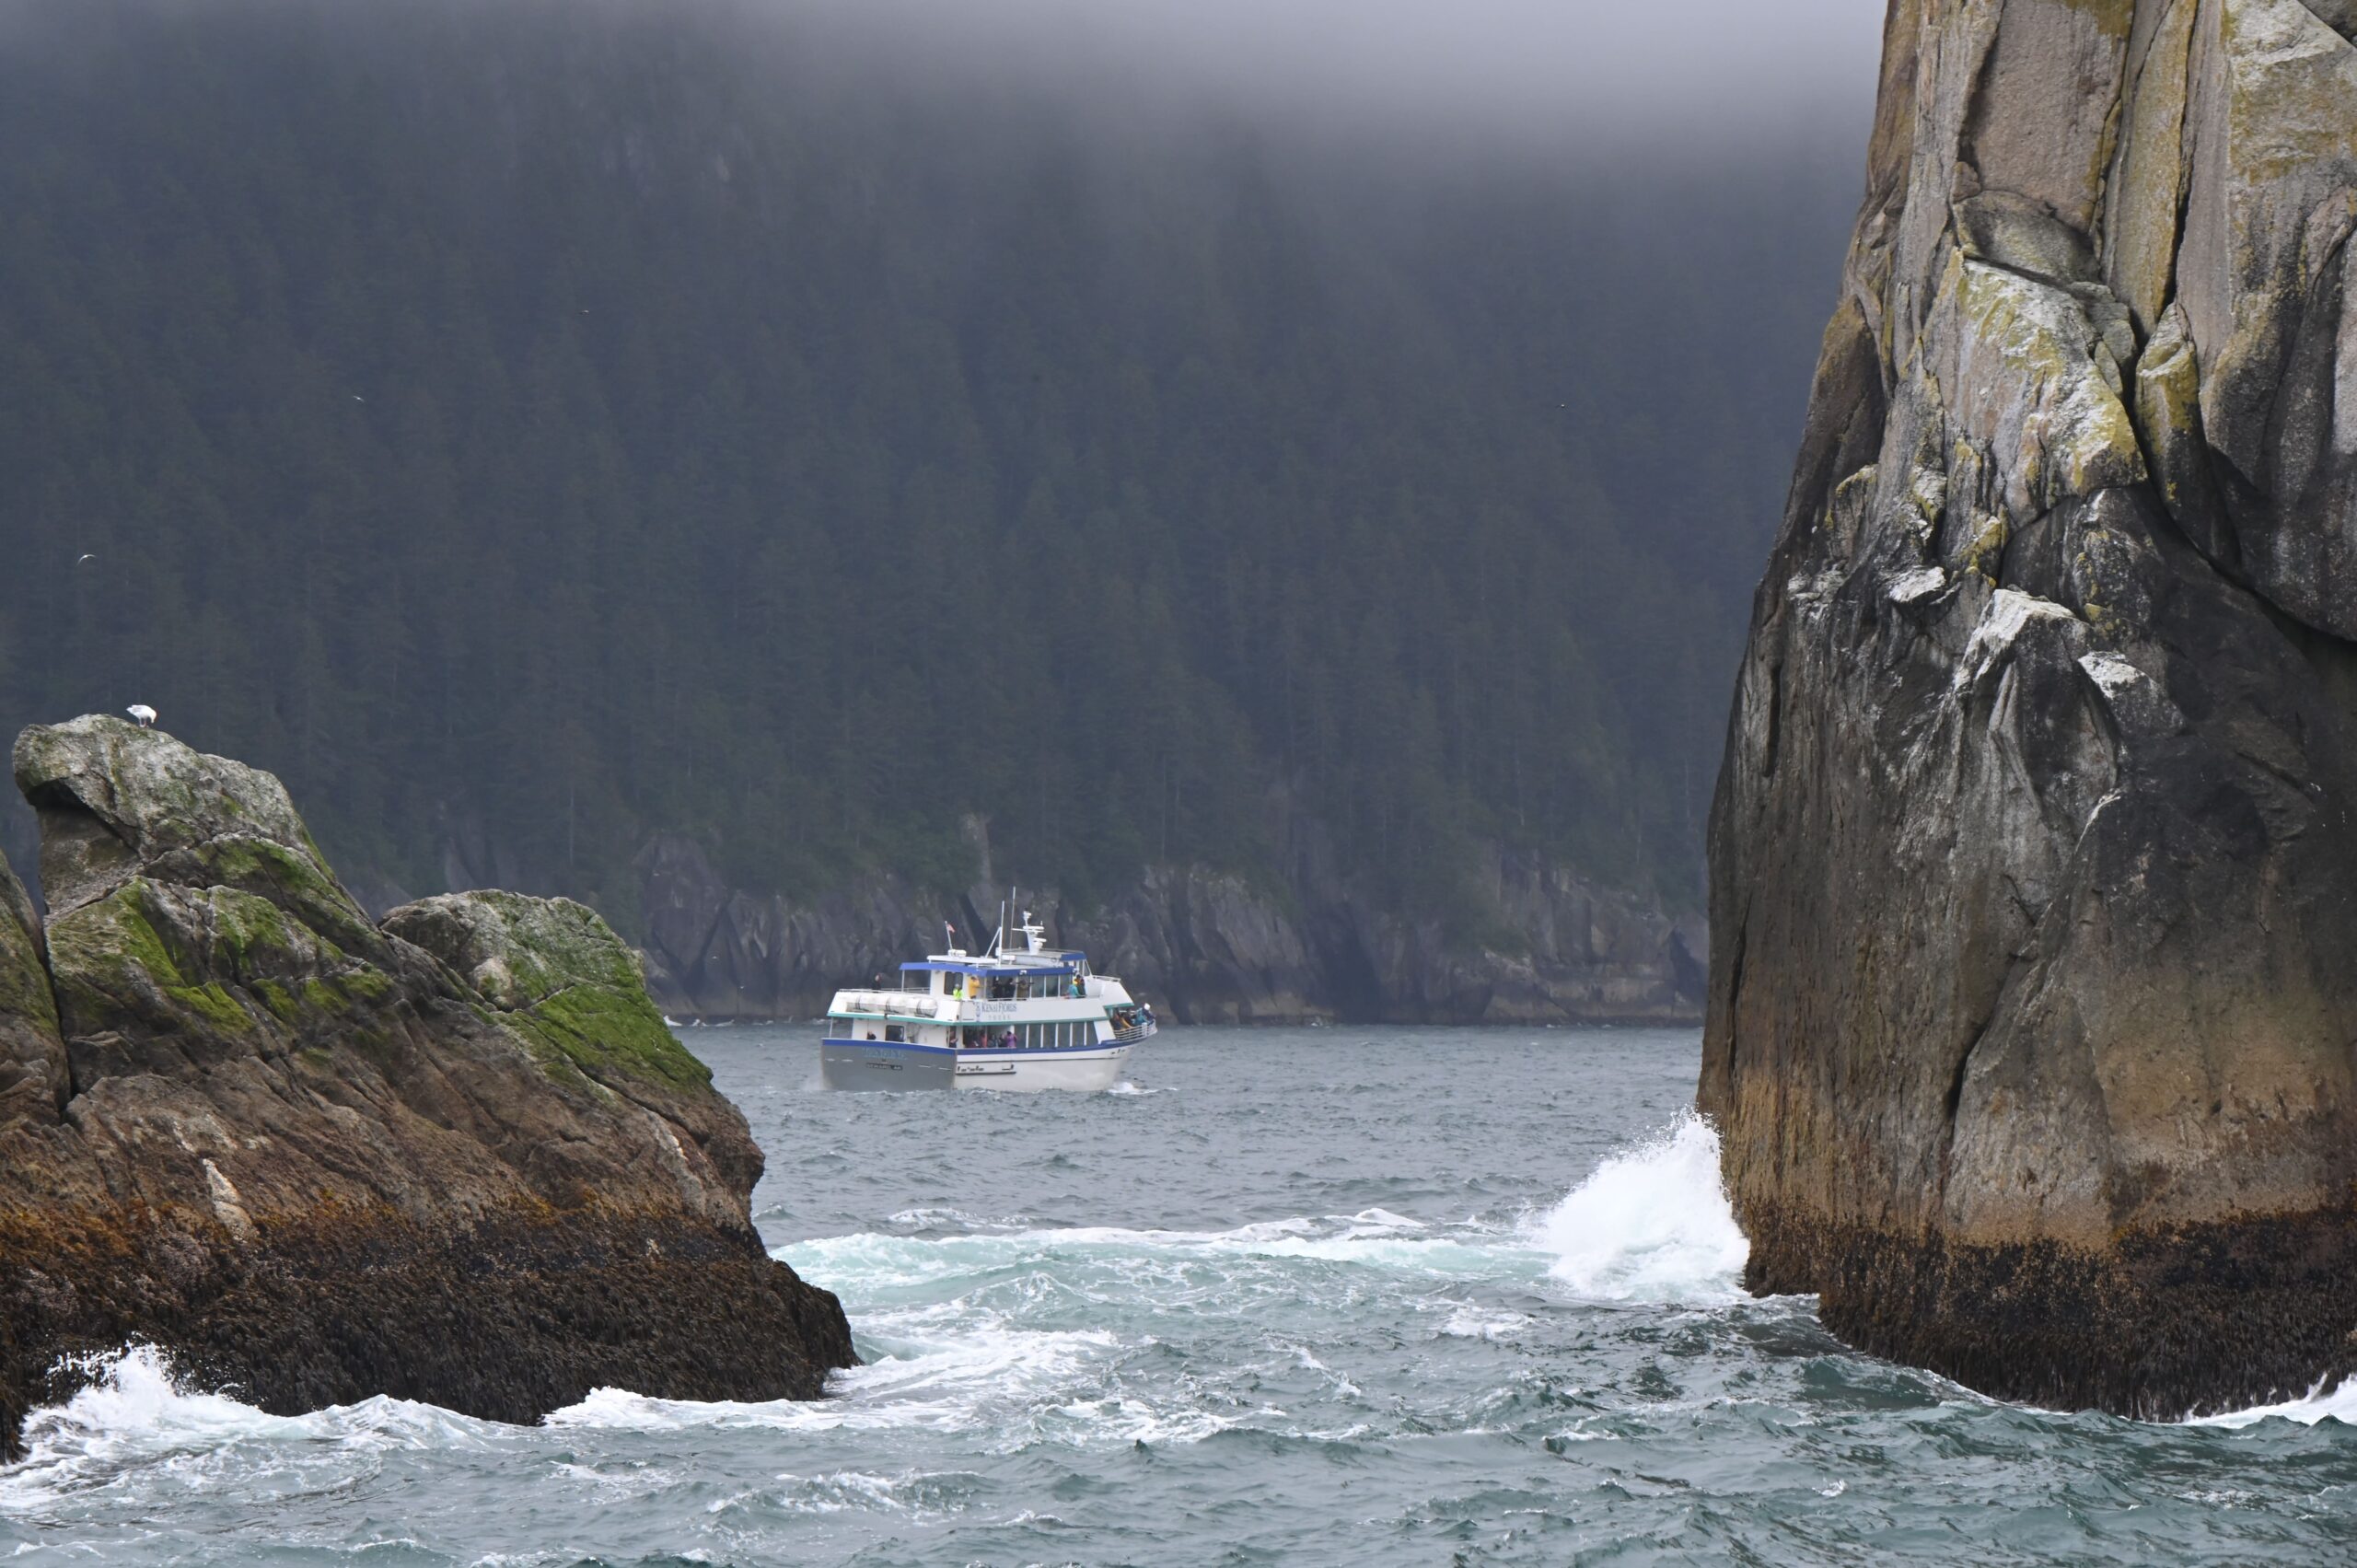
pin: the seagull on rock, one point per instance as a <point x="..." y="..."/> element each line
<point x="143" y="714"/>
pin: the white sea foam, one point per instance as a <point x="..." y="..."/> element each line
<point x="1468" y="1322"/>
<point x="951" y="1324"/>
<point x="842" y="1492"/>
<point x="134" y="1410"/>
<point x="983" y="1376"/>
<point x="2339" y="1405"/>
<point x="866" y="1263"/>
<point x="945" y="1218"/>
<point x="133" y="1401"/>
<point x="1651" y="1223"/>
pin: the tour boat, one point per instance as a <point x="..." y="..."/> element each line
<point x="1033" y="1019"/>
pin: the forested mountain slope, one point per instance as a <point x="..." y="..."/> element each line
<point x="535" y="428"/>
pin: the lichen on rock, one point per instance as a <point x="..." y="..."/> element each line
<point x="2029" y="1005"/>
<point x="555" y="971"/>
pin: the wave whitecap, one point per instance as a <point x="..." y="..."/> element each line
<point x="135" y="1410"/>
<point x="1022" y="1331"/>
<point x="875" y="1267"/>
<point x="2339" y="1404"/>
<point x="1651" y="1223"/>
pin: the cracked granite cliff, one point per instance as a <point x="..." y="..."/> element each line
<point x="2034" y="925"/>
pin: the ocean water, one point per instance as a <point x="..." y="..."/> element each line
<point x="1345" y="1295"/>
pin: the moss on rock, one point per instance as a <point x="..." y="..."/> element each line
<point x="555" y="972"/>
<point x="283" y="1117"/>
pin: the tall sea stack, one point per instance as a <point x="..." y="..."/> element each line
<point x="2033" y="914"/>
<point x="455" y="1157"/>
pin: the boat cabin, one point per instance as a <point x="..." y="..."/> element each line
<point x="1038" y="999"/>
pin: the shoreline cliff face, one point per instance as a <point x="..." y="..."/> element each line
<point x="454" y="1156"/>
<point x="1204" y="947"/>
<point x="2034" y="869"/>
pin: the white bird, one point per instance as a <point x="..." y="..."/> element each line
<point x="141" y="712"/>
<point x="86" y="558"/>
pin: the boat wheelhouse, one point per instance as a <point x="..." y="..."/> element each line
<point x="1037" y="1019"/>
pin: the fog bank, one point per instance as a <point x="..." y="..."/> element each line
<point x="1632" y="73"/>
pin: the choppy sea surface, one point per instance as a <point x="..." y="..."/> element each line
<point x="1345" y="1295"/>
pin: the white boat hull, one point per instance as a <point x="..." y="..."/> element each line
<point x="894" y="1067"/>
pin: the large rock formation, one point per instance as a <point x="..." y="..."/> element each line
<point x="2034" y="916"/>
<point x="1206" y="946"/>
<point x="455" y="1158"/>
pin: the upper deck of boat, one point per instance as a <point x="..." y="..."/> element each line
<point x="1045" y="961"/>
<point x="956" y="987"/>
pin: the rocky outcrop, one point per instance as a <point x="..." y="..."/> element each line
<point x="1206" y="946"/>
<point x="33" y="1078"/>
<point x="2033" y="872"/>
<point x="455" y="1158"/>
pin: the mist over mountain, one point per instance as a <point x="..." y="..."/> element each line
<point x="532" y="428"/>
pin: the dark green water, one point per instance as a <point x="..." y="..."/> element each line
<point x="1324" y="1297"/>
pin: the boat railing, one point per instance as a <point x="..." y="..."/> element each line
<point x="1134" y="1034"/>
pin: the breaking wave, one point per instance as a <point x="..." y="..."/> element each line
<point x="136" y="1412"/>
<point x="2339" y="1405"/>
<point x="1651" y="1223"/>
<point x="1466" y="1320"/>
<point x="1010" y="1327"/>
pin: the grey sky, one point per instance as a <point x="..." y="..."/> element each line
<point x="1554" y="66"/>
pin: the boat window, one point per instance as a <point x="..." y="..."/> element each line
<point x="895" y="1032"/>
